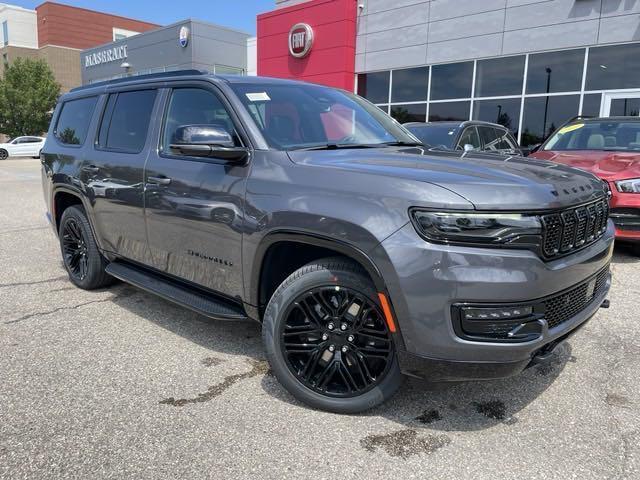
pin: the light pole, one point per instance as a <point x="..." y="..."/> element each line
<point x="546" y="103"/>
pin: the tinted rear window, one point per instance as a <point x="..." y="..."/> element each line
<point x="74" y="119"/>
<point x="126" y="121"/>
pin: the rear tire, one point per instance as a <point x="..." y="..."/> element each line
<point x="80" y="255"/>
<point x="3" y="154"/>
<point x="327" y="340"/>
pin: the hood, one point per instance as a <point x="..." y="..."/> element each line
<point x="489" y="182"/>
<point x="608" y="165"/>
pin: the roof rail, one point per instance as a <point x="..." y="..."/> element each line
<point x="148" y="76"/>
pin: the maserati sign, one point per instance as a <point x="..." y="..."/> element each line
<point x="105" y="56"/>
<point x="300" y="40"/>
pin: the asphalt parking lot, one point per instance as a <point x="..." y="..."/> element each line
<point x="120" y="384"/>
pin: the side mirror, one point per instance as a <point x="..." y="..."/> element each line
<point x="207" y="141"/>
<point x="468" y="147"/>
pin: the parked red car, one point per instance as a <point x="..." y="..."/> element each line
<point x="610" y="149"/>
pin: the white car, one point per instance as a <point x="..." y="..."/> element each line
<point x="22" y="147"/>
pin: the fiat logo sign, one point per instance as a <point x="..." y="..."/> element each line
<point x="300" y="40"/>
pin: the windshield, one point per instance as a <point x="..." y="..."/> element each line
<point x="434" y="134"/>
<point x="598" y="135"/>
<point x="298" y="116"/>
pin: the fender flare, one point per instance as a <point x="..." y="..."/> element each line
<point x="315" y="240"/>
<point x="86" y="205"/>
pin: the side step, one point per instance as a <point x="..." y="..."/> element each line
<point x="199" y="302"/>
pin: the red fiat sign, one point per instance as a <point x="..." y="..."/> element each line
<point x="300" y="40"/>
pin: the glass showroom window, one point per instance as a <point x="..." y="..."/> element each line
<point x="500" y="77"/>
<point x="613" y="67"/>
<point x="552" y="83"/>
<point x="555" y="72"/>
<point x="414" y="112"/>
<point x="453" y="80"/>
<point x="505" y="111"/>
<point x="543" y="115"/>
<point x="449" y="111"/>
<point x="374" y="86"/>
<point x="410" y="85"/>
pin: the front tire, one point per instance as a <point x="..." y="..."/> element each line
<point x="327" y="340"/>
<point x="3" y="154"/>
<point x="82" y="259"/>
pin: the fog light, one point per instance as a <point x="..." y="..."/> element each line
<point x="508" y="323"/>
<point x="474" y="313"/>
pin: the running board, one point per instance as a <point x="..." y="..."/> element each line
<point x="199" y="302"/>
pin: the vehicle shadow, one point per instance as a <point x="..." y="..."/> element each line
<point x="446" y="406"/>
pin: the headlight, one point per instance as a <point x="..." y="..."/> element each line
<point x="629" y="186"/>
<point x="478" y="228"/>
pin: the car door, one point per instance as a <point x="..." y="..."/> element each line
<point x="112" y="171"/>
<point x="32" y="146"/>
<point x="19" y="147"/>
<point x="194" y="205"/>
<point x="469" y="140"/>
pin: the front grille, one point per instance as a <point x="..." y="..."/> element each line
<point x="574" y="228"/>
<point x="627" y="219"/>
<point x="563" y="307"/>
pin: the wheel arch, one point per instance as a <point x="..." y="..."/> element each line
<point x="62" y="198"/>
<point x="262" y="281"/>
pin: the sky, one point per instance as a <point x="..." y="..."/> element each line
<point x="238" y="14"/>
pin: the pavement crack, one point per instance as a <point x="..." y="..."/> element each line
<point x="72" y="307"/>
<point x="36" y="282"/>
<point x="258" y="367"/>
<point x="26" y="229"/>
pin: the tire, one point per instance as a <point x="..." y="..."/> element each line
<point x="3" y="154"/>
<point x="362" y="379"/>
<point x="635" y="249"/>
<point x="80" y="255"/>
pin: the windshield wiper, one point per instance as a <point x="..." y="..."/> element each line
<point x="404" y="144"/>
<point x="334" y="146"/>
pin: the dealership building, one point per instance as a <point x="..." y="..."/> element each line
<point x="527" y="64"/>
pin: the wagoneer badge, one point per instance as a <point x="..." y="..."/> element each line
<point x="300" y="40"/>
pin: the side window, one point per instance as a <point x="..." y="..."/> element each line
<point x="504" y="140"/>
<point x="74" y="119"/>
<point x="126" y="119"/>
<point x="469" y="137"/>
<point x="195" y="106"/>
<point x="489" y="138"/>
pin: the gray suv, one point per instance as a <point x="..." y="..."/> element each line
<point x="365" y="256"/>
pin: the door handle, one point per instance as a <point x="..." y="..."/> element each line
<point x="159" y="180"/>
<point x="91" y="168"/>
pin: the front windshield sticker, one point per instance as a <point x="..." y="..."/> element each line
<point x="570" y="128"/>
<point x="258" y="97"/>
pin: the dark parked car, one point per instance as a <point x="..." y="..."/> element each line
<point x="610" y="149"/>
<point x="466" y="136"/>
<point x="365" y="255"/>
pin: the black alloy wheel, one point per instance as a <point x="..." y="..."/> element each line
<point x="81" y="257"/>
<point x="74" y="248"/>
<point x="3" y="154"/>
<point x="336" y="341"/>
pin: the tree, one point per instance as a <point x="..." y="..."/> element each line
<point x="28" y="94"/>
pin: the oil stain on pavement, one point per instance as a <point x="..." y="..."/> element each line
<point x="405" y="443"/>
<point x="494" y="409"/>
<point x="258" y="367"/>
<point x="429" y="416"/>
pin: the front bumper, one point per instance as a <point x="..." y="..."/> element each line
<point x="425" y="280"/>
<point x="625" y="213"/>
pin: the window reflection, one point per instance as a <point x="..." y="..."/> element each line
<point x="410" y="85"/>
<point x="453" y="80"/>
<point x="374" y="86"/>
<point x="505" y="112"/>
<point x="555" y="72"/>
<point x="591" y="105"/>
<point x="445" y="111"/>
<point x="625" y="107"/>
<point x="614" y="67"/>
<point x="500" y="76"/>
<point x="409" y="113"/>
<point x="543" y="115"/>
